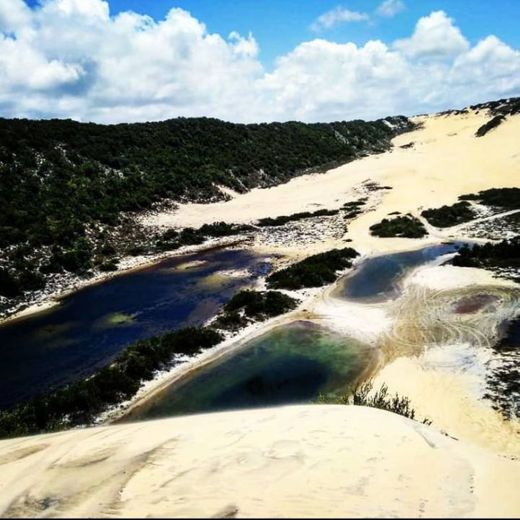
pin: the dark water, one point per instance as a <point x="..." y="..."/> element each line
<point x="290" y="364"/>
<point x="511" y="338"/>
<point x="377" y="277"/>
<point x="92" y="325"/>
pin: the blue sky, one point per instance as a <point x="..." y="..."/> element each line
<point x="245" y="60"/>
<point x="279" y="25"/>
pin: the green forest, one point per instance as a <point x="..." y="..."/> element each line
<point x="64" y="185"/>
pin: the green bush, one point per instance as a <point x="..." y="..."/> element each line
<point x="314" y="271"/>
<point x="363" y="395"/>
<point x="447" y="216"/>
<point x="507" y="198"/>
<point x="404" y="226"/>
<point x="504" y="254"/>
<point x="280" y="221"/>
<point x="248" y="305"/>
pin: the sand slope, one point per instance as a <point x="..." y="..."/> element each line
<point x="446" y="160"/>
<point x="290" y="461"/>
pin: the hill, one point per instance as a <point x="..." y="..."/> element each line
<point x="66" y="187"/>
<point x="294" y="461"/>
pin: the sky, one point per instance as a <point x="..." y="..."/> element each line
<point x="250" y="61"/>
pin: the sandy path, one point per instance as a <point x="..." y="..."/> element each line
<point x="303" y="461"/>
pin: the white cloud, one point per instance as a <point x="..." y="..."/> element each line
<point x="390" y="8"/>
<point x="337" y="16"/>
<point x="14" y="15"/>
<point x="435" y="35"/>
<point x="70" y="58"/>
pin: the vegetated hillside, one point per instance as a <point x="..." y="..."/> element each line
<point x="64" y="185"/>
<point x="499" y="110"/>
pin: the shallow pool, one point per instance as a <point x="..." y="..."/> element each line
<point x="293" y="363"/>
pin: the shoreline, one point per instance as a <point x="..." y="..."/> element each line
<point x="308" y="301"/>
<point x="130" y="264"/>
<point x="374" y="323"/>
<point x="168" y="377"/>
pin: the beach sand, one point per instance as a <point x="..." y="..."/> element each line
<point x="296" y="461"/>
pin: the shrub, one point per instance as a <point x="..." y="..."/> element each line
<point x="250" y="305"/>
<point x="363" y="395"/>
<point x="314" y="271"/>
<point x="280" y="221"/>
<point x="447" y="216"/>
<point x="486" y="127"/>
<point x="501" y="197"/>
<point x="504" y="254"/>
<point x="404" y="226"/>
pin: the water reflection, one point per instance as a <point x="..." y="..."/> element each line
<point x="91" y="326"/>
<point x="377" y="278"/>
<point x="294" y="363"/>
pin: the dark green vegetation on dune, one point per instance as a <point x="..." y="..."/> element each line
<point x="447" y="216"/>
<point x="505" y="254"/>
<point x="282" y="220"/>
<point x="504" y="198"/>
<point x="403" y="226"/>
<point x="504" y="378"/>
<point x="499" y="109"/>
<point x="314" y="271"/>
<point x="173" y="239"/>
<point x="247" y="306"/>
<point x="364" y="395"/>
<point x="486" y="127"/>
<point x="80" y="402"/>
<point x="65" y="185"/>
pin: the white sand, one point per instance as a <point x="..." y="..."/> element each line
<point x="447" y="397"/>
<point x="363" y="321"/>
<point x="453" y="277"/>
<point x="445" y="162"/>
<point x="303" y="461"/>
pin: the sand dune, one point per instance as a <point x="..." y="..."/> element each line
<point x="308" y="461"/>
<point x="312" y="461"/>
<point x="446" y="160"/>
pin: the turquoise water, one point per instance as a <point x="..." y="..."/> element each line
<point x="294" y="363"/>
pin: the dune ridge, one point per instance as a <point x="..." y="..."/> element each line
<point x="310" y="461"/>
